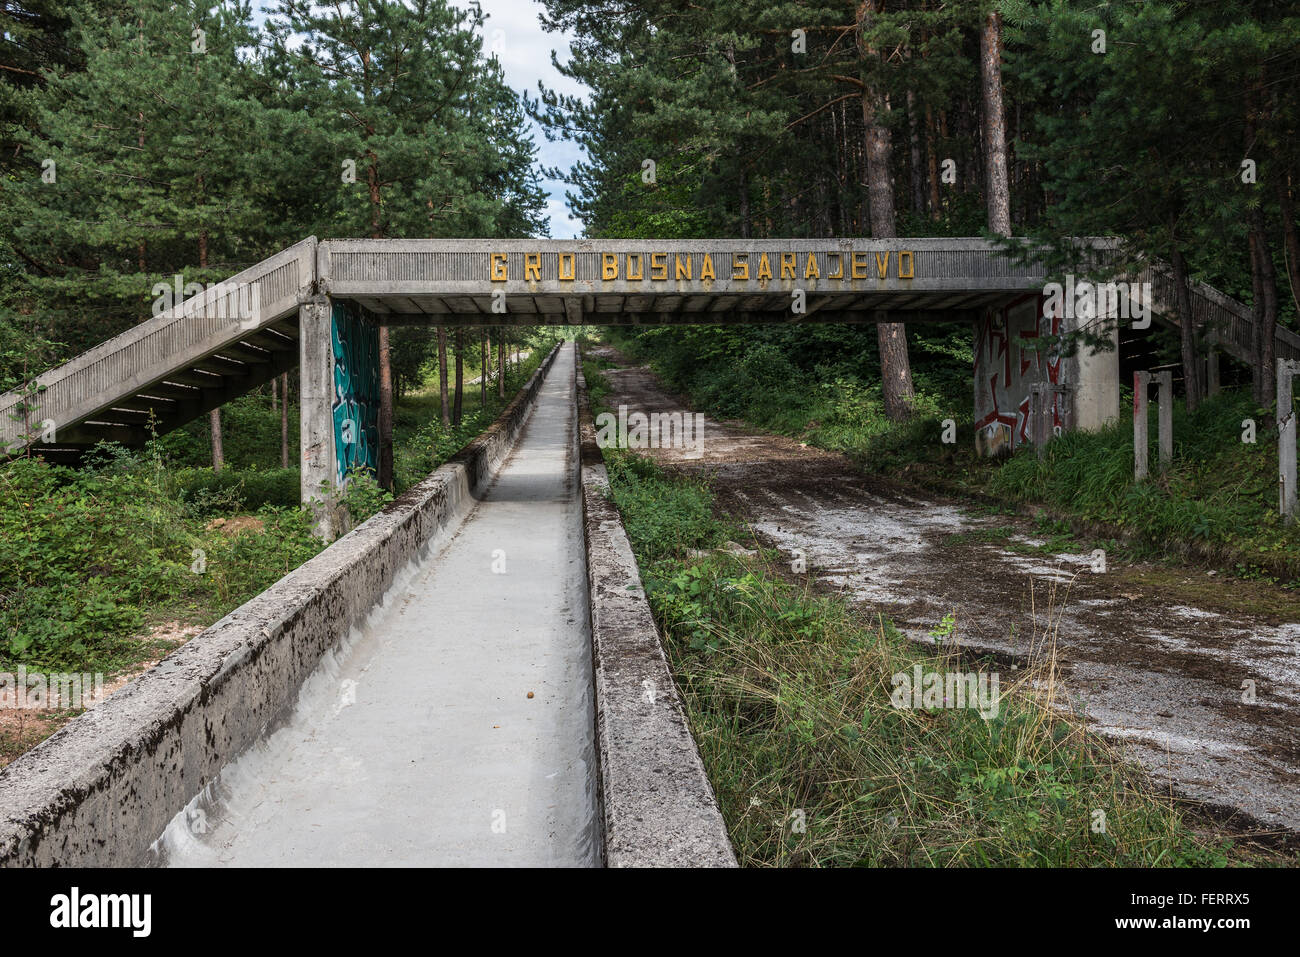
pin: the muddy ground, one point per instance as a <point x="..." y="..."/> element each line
<point x="1154" y="657"/>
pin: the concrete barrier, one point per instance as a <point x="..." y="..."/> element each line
<point x="103" y="788"/>
<point x="658" y="806"/>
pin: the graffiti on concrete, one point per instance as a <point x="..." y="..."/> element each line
<point x="355" y="342"/>
<point x="1005" y="369"/>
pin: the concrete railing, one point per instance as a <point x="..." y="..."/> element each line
<point x="1230" y="323"/>
<point x="172" y="340"/>
<point x="658" y="806"/>
<point x="104" y="787"/>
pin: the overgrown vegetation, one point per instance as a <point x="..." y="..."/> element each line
<point x="788" y="693"/>
<point x="421" y="443"/>
<point x="89" y="558"/>
<point x="820" y="383"/>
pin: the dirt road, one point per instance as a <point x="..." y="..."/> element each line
<point x="1154" y="657"/>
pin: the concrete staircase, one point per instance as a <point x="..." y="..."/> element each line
<point x="1227" y="322"/>
<point x="171" y="368"/>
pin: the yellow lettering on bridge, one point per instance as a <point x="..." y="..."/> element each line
<point x="631" y="266"/>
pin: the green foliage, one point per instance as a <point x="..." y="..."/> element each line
<point x="89" y="557"/>
<point x="663" y="517"/>
<point x="363" y="497"/>
<point x="152" y="181"/>
<point x="205" y="493"/>
<point x="820" y="383"/>
<point x="421" y="443"/>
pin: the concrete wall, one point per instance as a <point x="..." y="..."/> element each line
<point x="1005" y="370"/>
<point x="102" y="789"/>
<point x="658" y="806"/>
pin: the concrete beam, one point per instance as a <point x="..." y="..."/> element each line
<point x="659" y="807"/>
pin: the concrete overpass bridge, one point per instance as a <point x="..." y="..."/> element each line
<point x="318" y="306"/>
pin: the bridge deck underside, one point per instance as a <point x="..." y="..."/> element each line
<point x="671" y="308"/>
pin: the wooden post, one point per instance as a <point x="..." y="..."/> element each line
<point x="1037" y="418"/>
<point x="1141" y="383"/>
<point x="1165" y="418"/>
<point x="1286" y="439"/>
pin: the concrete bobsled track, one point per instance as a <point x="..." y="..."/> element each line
<point x="423" y="692"/>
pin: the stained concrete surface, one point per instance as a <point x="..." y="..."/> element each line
<point x="1145" y="666"/>
<point x="416" y="741"/>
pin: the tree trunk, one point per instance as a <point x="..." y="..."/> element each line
<point x="385" y="412"/>
<point x="501" y="366"/>
<point x="917" y="170"/>
<point x="1187" y="330"/>
<point x="284" y="420"/>
<point x="744" y="205"/>
<point x="995" y="126"/>
<point x="1290" y="237"/>
<point x="218" y="455"/>
<point x="895" y="367"/>
<point x="1264" y="285"/>
<point x="442" y="376"/>
<point x="483" y="369"/>
<point x="933" y="161"/>
<point x="457" y="409"/>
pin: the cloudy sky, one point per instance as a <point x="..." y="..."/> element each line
<point x="525" y="54"/>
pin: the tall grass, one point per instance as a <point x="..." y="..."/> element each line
<point x="789" y="697"/>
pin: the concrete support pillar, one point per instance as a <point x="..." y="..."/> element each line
<point x="1141" y="384"/>
<point x="1165" y="419"/>
<point x="1286" y="439"/>
<point x="316" y="430"/>
<point x="1096" y="391"/>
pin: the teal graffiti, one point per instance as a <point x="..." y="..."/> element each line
<point x="356" y="391"/>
